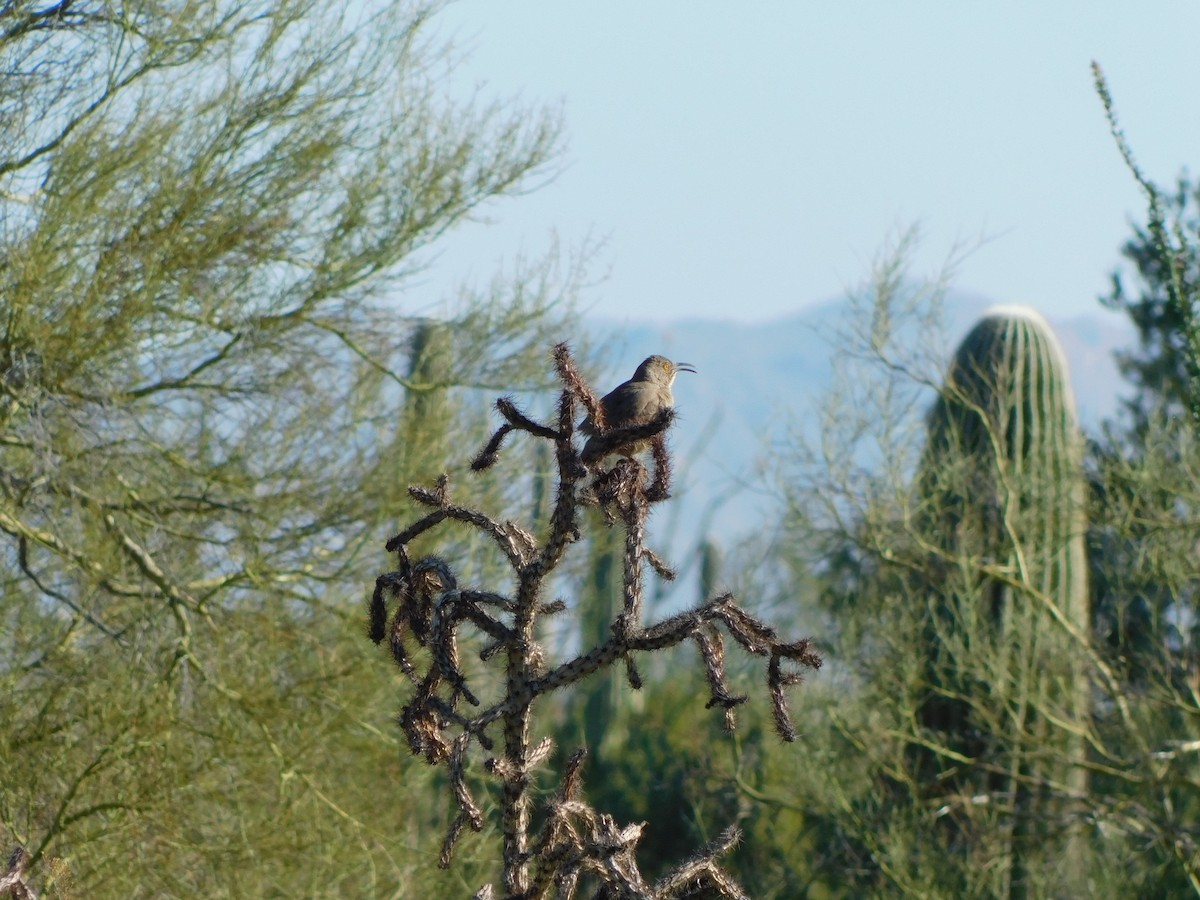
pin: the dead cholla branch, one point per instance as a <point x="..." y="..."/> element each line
<point x="576" y="386"/>
<point x="517" y="420"/>
<point x="578" y="841"/>
<point x="575" y="846"/>
<point x="608" y="442"/>
<point x="12" y="882"/>
<point x="662" y="471"/>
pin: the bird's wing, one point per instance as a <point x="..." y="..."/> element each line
<point x="609" y="403"/>
<point x="632" y="403"/>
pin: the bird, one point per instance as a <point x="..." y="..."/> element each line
<point x="635" y="402"/>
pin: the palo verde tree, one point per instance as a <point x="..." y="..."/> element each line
<point x="210" y="215"/>
<point x="458" y="710"/>
<point x="1166" y="307"/>
<point x="1144" y="472"/>
<point x="941" y="518"/>
<point x="1163" y="275"/>
<point x="964" y="758"/>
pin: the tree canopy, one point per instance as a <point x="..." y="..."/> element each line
<point x="213" y="214"/>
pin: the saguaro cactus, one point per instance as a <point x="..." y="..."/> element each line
<point x="604" y="699"/>
<point x="427" y="408"/>
<point x="1002" y="522"/>
<point x="710" y="567"/>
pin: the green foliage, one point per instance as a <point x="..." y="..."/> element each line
<point x="1002" y="740"/>
<point x="213" y="396"/>
<point x="1160" y="369"/>
<point x="682" y="773"/>
<point x="213" y="388"/>
<point x="1144" y="472"/>
<point x="662" y="772"/>
<point x="1166" y="311"/>
<point x="942" y="525"/>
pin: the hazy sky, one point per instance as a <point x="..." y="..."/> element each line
<point x="747" y="159"/>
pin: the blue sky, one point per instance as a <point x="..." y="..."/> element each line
<point x="746" y="160"/>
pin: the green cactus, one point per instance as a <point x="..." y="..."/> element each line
<point x="711" y="560"/>
<point x="425" y="425"/>
<point x="1001" y="523"/>
<point x="603" y="701"/>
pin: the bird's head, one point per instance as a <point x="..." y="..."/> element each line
<point x="660" y="370"/>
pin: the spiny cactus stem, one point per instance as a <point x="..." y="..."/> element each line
<point x="635" y="528"/>
<point x="430" y="608"/>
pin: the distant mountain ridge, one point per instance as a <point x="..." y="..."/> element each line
<point x="755" y="379"/>
<point x="789" y="357"/>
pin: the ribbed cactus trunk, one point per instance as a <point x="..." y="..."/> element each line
<point x="605" y="700"/>
<point x="711" y="562"/>
<point x="427" y="414"/>
<point x="1002" y="519"/>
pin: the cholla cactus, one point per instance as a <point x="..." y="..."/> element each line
<point x="12" y="881"/>
<point x="447" y="721"/>
<point x="1001" y="516"/>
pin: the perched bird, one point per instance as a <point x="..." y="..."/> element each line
<point x="636" y="402"/>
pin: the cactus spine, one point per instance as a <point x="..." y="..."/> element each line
<point x="1002" y="519"/>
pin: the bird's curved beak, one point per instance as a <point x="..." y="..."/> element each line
<point x="685" y="367"/>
